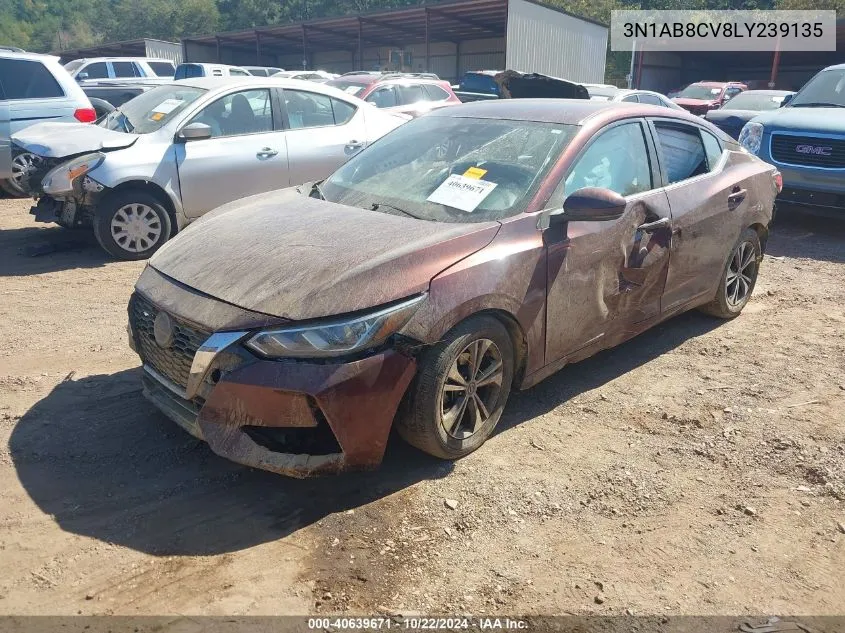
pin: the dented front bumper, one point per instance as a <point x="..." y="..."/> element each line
<point x="296" y="418"/>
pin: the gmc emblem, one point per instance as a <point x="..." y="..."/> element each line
<point x="813" y="149"/>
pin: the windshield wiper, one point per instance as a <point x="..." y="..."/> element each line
<point x="817" y="104"/>
<point x="376" y="205"/>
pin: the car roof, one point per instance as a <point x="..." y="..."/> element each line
<point x="122" y="59"/>
<point x="26" y="55"/>
<point x="563" y="111"/>
<point x="773" y="93"/>
<point x="835" y="67"/>
<point x="221" y="83"/>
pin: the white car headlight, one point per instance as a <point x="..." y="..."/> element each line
<point x="751" y="136"/>
<point x="334" y="337"/>
<point x="60" y="179"/>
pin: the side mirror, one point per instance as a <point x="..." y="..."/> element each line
<point x="82" y="76"/>
<point x="591" y="204"/>
<point x="194" y="132"/>
<point x="787" y="99"/>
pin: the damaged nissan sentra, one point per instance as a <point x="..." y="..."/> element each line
<point x="474" y="250"/>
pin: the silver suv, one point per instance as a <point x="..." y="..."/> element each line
<point x="121" y="69"/>
<point x="33" y="89"/>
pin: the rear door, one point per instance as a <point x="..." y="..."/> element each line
<point x="605" y="276"/>
<point x="322" y="133"/>
<point x="704" y="193"/>
<point x="246" y="154"/>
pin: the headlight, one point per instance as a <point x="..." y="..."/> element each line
<point x="334" y="337"/>
<point x="60" y="179"/>
<point x="751" y="136"/>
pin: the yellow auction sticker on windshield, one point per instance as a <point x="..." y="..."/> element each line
<point x="475" y="172"/>
<point x="157" y="116"/>
<point x="462" y="193"/>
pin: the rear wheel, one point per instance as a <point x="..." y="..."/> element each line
<point x="131" y="224"/>
<point x="738" y="279"/>
<point x="460" y="390"/>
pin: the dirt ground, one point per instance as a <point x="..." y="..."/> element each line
<point x="699" y="469"/>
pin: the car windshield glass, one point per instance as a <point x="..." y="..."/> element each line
<point x="349" y="87"/>
<point x="754" y="101"/>
<point x="697" y="91"/>
<point x="148" y="112"/>
<point x="451" y="169"/>
<point x="826" y="88"/>
<point x="71" y="66"/>
<point x="602" y="92"/>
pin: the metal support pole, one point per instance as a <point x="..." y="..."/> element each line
<point x="257" y="48"/>
<point x="631" y="71"/>
<point x="457" y="61"/>
<point x="775" y="65"/>
<point x="304" y="49"/>
<point x="427" y="45"/>
<point x="360" y="45"/>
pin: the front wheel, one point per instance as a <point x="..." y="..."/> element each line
<point x="460" y="390"/>
<point x="131" y="224"/>
<point x="738" y="278"/>
<point x="23" y="165"/>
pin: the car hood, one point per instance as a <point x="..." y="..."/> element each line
<point x="57" y="140"/>
<point x="295" y="257"/>
<point x="727" y="116"/>
<point x="809" y="120"/>
<point x="685" y="102"/>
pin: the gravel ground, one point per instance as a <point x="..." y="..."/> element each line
<point x="698" y="469"/>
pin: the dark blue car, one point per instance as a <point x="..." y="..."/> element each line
<point x="805" y="140"/>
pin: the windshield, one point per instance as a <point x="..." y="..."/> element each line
<point x="697" y="91"/>
<point x="349" y="87"/>
<point x="826" y="88"/>
<point x="72" y="66"/>
<point x="151" y="110"/>
<point x="757" y="101"/>
<point x="605" y="93"/>
<point x="451" y="169"/>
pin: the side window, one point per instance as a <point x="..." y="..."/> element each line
<point x="713" y="149"/>
<point x="238" y="73"/>
<point x="308" y="109"/>
<point x="410" y="94"/>
<point x="383" y="97"/>
<point x="124" y="69"/>
<point x="343" y="112"/>
<point x="247" y="112"/>
<point x="617" y="159"/>
<point x="650" y="99"/>
<point x="24" y="79"/>
<point x="631" y="99"/>
<point x="435" y="93"/>
<point x="97" y="70"/>
<point x="683" y="151"/>
<point x="162" y="69"/>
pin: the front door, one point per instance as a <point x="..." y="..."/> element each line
<point x="604" y="277"/>
<point x="245" y="155"/>
<point x="323" y="133"/>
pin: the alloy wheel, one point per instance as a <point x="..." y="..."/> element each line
<point x="22" y="166"/>
<point x="741" y="274"/>
<point x="136" y="227"/>
<point x="471" y="390"/>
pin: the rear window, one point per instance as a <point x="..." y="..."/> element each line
<point x="189" y="71"/>
<point x="234" y="72"/>
<point x="349" y="87"/>
<point x="26" y="79"/>
<point x="124" y="69"/>
<point x="162" y="69"/>
<point x="473" y="82"/>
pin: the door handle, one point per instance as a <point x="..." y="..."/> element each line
<point x="736" y="198"/>
<point x="648" y="227"/>
<point x="354" y="145"/>
<point x="267" y="152"/>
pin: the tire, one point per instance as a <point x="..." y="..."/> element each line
<point x="22" y="164"/>
<point x="120" y="222"/>
<point x="735" y="290"/>
<point x="421" y="421"/>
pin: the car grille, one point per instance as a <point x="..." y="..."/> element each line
<point x="808" y="151"/>
<point x="173" y="362"/>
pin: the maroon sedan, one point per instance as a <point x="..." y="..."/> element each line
<point x="471" y="251"/>
<point x="699" y="98"/>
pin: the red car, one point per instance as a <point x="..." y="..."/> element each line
<point x="406" y="94"/>
<point x="703" y="96"/>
